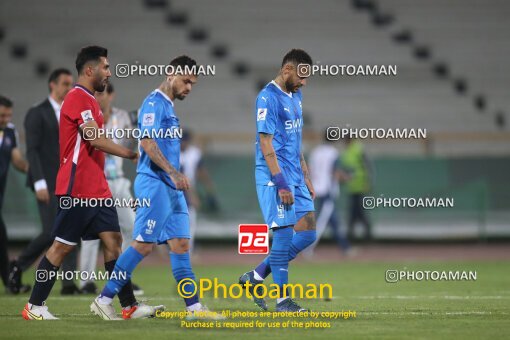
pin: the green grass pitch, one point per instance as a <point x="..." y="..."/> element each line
<point x="469" y="309"/>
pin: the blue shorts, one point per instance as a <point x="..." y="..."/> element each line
<point x="275" y="213"/>
<point x="81" y="222"/>
<point x="166" y="217"/>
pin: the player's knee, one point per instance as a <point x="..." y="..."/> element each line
<point x="307" y="222"/>
<point x="143" y="248"/>
<point x="117" y="239"/>
<point x="57" y="252"/>
<point x="179" y="246"/>
<point x="61" y="248"/>
<point x="111" y="252"/>
<point x="310" y="221"/>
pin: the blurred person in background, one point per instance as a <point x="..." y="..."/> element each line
<point x="357" y="165"/>
<point x="41" y="128"/>
<point x="9" y="153"/>
<point x="192" y="166"/>
<point x="114" y="119"/>
<point x="326" y="174"/>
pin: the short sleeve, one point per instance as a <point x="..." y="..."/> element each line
<point x="83" y="112"/>
<point x="265" y="114"/>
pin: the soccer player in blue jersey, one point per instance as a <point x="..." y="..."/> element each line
<point x="158" y="179"/>
<point x="284" y="189"/>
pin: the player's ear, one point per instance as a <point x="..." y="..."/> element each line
<point x="89" y="70"/>
<point x="287" y="68"/>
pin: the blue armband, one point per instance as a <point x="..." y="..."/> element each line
<point x="280" y="182"/>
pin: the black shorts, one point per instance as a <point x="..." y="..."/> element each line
<point x="84" y="223"/>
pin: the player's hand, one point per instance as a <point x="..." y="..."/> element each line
<point x="181" y="181"/>
<point x="286" y="197"/>
<point x="284" y="192"/>
<point x="43" y="195"/>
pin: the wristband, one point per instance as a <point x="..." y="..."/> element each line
<point x="280" y="182"/>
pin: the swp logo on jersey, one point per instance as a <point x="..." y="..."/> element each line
<point x="253" y="239"/>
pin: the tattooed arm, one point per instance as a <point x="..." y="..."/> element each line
<point x="306" y="173"/>
<point x="266" y="145"/>
<point x="304" y="167"/>
<point x="151" y="148"/>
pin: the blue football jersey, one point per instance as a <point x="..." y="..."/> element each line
<point x="279" y="114"/>
<point x="157" y="120"/>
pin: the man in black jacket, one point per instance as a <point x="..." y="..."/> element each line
<point x="42" y="137"/>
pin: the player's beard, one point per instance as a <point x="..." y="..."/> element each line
<point x="181" y="96"/>
<point x="291" y="87"/>
<point x="100" y="86"/>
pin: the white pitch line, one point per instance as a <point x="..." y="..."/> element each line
<point x="449" y="297"/>
<point x="364" y="297"/>
<point x="360" y="313"/>
<point x="467" y="297"/>
<point x="139" y="298"/>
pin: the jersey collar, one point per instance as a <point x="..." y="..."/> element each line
<point x="279" y="88"/>
<point x="84" y="89"/>
<point x="165" y="96"/>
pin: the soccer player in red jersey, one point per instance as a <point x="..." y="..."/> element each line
<point x="81" y="176"/>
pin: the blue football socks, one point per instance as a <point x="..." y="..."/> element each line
<point x="300" y="241"/>
<point x="279" y="256"/>
<point x="124" y="267"/>
<point x="181" y="268"/>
